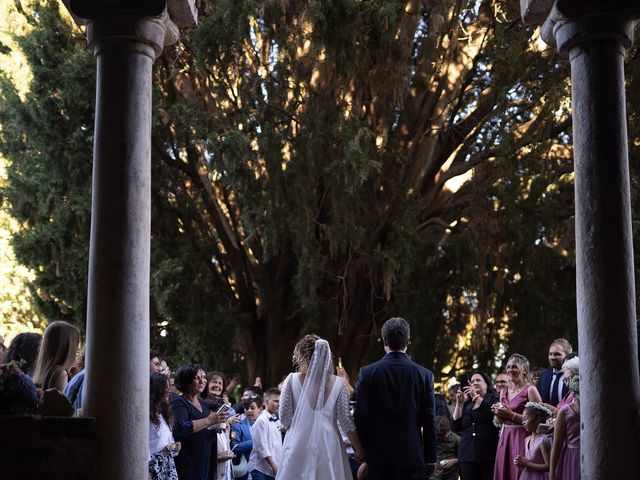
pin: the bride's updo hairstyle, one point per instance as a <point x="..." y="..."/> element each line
<point x="303" y="351"/>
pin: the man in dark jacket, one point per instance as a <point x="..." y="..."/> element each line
<point x="395" y="411"/>
<point x="551" y="386"/>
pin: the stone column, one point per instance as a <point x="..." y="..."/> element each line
<point x="610" y="390"/>
<point x="126" y="38"/>
<point x="116" y="388"/>
<point x="595" y="34"/>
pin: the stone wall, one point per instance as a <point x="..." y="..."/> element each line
<point x="48" y="448"/>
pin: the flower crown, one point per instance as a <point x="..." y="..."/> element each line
<point x="539" y="407"/>
<point x="574" y="384"/>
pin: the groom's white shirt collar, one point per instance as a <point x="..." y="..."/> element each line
<point x="388" y="350"/>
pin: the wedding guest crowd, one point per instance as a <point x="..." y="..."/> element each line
<point x="515" y="427"/>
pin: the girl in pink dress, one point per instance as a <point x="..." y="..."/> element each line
<point x="535" y="462"/>
<point x="508" y="414"/>
<point x="565" y="454"/>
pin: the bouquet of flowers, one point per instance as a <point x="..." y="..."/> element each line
<point x="18" y="393"/>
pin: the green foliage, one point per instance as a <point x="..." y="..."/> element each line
<point x="15" y="297"/>
<point x="301" y="152"/>
<point x="46" y="136"/>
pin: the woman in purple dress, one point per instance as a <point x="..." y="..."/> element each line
<point x="508" y="414"/>
<point x="565" y="453"/>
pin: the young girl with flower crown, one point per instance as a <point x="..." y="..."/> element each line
<point x="535" y="462"/>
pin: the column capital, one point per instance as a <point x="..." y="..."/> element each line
<point x="570" y="32"/>
<point x="567" y="23"/>
<point x="126" y="32"/>
<point x="151" y="22"/>
<point x="577" y="8"/>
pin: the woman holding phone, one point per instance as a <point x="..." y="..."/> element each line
<point x="221" y="454"/>
<point x="473" y="418"/>
<point x="194" y="423"/>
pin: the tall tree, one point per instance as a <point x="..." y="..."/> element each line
<point x="47" y="136"/>
<point x="321" y="148"/>
<point x="319" y="166"/>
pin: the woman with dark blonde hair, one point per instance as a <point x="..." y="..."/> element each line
<point x="313" y="402"/>
<point x="508" y="412"/>
<point x="57" y="355"/>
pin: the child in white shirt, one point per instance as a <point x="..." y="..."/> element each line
<point x="267" y="440"/>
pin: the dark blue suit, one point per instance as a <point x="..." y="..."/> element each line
<point x="243" y="443"/>
<point x="394" y="402"/>
<point x="544" y="384"/>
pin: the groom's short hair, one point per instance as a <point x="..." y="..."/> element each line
<point x="395" y="333"/>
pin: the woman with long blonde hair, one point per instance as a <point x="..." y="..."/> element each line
<point x="57" y="355"/>
<point x="509" y="414"/>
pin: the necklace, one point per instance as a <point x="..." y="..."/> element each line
<point x="195" y="403"/>
<point x="515" y="392"/>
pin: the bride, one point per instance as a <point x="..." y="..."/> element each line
<point x="313" y="402"/>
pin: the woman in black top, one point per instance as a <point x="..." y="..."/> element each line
<point x="193" y="424"/>
<point x="474" y="420"/>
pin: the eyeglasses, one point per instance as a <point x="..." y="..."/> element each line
<point x="249" y="397"/>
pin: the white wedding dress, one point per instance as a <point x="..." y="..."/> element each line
<point x="313" y="447"/>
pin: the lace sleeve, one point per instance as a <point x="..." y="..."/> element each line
<point x="342" y="409"/>
<point x="286" y="403"/>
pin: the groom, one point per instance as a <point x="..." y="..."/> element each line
<point x="395" y="414"/>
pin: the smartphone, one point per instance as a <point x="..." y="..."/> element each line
<point x="224" y="408"/>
